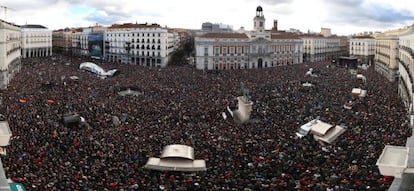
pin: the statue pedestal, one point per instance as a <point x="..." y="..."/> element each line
<point x="242" y="114"/>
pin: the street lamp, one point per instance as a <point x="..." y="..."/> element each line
<point x="128" y="49"/>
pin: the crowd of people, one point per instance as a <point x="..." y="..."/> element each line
<point x="182" y="105"/>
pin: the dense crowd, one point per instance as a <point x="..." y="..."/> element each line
<point x="181" y="105"/>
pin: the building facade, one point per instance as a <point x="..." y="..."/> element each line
<point x="259" y="48"/>
<point x="406" y="70"/>
<point x="10" y="54"/>
<point x="210" y="27"/>
<point x="142" y="44"/>
<point x="343" y="46"/>
<point x="88" y="42"/>
<point x="62" y="41"/>
<point x="317" y="48"/>
<point x="386" y="53"/>
<point x="36" y="41"/>
<point x="363" y="48"/>
<point x="80" y="44"/>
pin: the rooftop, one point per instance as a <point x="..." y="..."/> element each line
<point x="364" y="36"/>
<point x="225" y="35"/>
<point x="34" y="26"/>
<point x="132" y="25"/>
<point x="284" y="35"/>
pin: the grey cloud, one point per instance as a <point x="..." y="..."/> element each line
<point x="386" y="14"/>
<point x="23" y="5"/>
<point x="361" y="13"/>
<point x="102" y="17"/>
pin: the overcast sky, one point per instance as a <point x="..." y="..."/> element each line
<point x="342" y="16"/>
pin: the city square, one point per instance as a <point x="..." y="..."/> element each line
<point x="132" y="96"/>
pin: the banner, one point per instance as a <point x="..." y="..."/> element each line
<point x="16" y="187"/>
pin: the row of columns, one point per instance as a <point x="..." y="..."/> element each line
<point x="36" y="52"/>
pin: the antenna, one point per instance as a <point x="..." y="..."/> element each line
<point x="5" y="11"/>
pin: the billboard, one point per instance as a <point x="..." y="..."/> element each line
<point x="95" y="45"/>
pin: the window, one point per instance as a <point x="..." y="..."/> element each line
<point x="216" y="51"/>
<point x="205" y="51"/>
<point x="224" y="51"/>
<point x="246" y="50"/>
<point x="261" y="24"/>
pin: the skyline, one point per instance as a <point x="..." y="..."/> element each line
<point x="344" y="17"/>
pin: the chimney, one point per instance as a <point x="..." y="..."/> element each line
<point x="274" y="25"/>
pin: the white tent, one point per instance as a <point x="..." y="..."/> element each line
<point x="176" y="158"/>
<point x="320" y="128"/>
<point x="359" y="92"/>
<point x="331" y="135"/>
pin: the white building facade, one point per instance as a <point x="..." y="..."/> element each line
<point x="141" y="44"/>
<point x="406" y="69"/>
<point x="259" y="48"/>
<point x="317" y="48"/>
<point x="386" y="53"/>
<point x="36" y="41"/>
<point x="10" y="54"/>
<point x="362" y="47"/>
<point x="80" y="43"/>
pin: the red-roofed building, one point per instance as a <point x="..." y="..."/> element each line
<point x="259" y="48"/>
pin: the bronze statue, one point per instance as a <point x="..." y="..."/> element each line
<point x="244" y="91"/>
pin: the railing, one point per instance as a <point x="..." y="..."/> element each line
<point x="407" y="49"/>
<point x="406" y="69"/>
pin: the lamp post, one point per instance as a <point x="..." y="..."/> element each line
<point x="128" y="49"/>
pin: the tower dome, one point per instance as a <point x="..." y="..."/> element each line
<point x="259" y="20"/>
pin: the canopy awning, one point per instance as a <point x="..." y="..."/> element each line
<point x="320" y="128"/>
<point x="175" y="165"/>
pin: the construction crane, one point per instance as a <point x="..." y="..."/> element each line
<point x="5" y="11"/>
